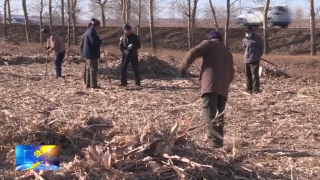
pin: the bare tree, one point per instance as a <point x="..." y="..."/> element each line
<point x="26" y="19"/>
<point x="126" y="10"/>
<point x="312" y="28"/>
<point x="40" y="15"/>
<point x="227" y="22"/>
<point x="50" y="14"/>
<point x="72" y="13"/>
<point x="69" y="23"/>
<point x="189" y="24"/>
<point x="9" y="11"/>
<point x="153" y="39"/>
<point x="62" y="21"/>
<point x="5" y="30"/>
<point x="102" y="5"/>
<point x="215" y="20"/>
<point x="139" y="16"/>
<point x="194" y="12"/>
<point x="265" y="27"/>
<point x="191" y="15"/>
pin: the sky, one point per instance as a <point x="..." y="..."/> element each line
<point x="165" y="10"/>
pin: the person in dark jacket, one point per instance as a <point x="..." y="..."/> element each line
<point x="253" y="46"/>
<point x="81" y="48"/>
<point x="216" y="74"/>
<point x="91" y="51"/>
<point x="56" y="44"/>
<point x="129" y="45"/>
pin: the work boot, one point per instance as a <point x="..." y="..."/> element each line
<point x="122" y="85"/>
<point x="215" y="142"/>
<point x="257" y="91"/>
<point x="96" y="87"/>
<point x="138" y="84"/>
<point x="249" y="91"/>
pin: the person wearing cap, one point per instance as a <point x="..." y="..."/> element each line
<point x="216" y="74"/>
<point x="253" y="45"/>
<point x="129" y="45"/>
<point x="91" y="51"/>
<point x="81" y="48"/>
<point x="56" y="44"/>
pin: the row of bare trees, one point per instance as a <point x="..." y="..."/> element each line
<point x="129" y="11"/>
<point x="191" y="14"/>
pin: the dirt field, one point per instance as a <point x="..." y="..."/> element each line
<point x="123" y="133"/>
<point x="282" y="41"/>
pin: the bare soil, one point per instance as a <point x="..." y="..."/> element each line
<point x="282" y="41"/>
<point x="129" y="132"/>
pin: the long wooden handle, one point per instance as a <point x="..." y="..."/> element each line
<point x="45" y="75"/>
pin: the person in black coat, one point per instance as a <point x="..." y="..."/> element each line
<point x="91" y="51"/>
<point x="129" y="45"/>
<point x="81" y="48"/>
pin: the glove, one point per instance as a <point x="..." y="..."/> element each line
<point x="126" y="52"/>
<point x="130" y="46"/>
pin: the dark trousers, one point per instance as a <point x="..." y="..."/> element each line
<point x="212" y="105"/>
<point x="91" y="72"/>
<point x="124" y="68"/>
<point x="252" y="76"/>
<point x="58" y="63"/>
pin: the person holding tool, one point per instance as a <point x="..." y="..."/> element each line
<point x="253" y="46"/>
<point x="91" y="51"/>
<point x="129" y="45"/>
<point x="56" y="44"/>
<point x="216" y="74"/>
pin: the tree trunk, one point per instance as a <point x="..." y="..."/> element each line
<point x="193" y="26"/>
<point x="128" y="12"/>
<point x="103" y="17"/>
<point x="189" y="25"/>
<point x="215" y="20"/>
<point x="74" y="28"/>
<point x="9" y="11"/>
<point x="69" y="24"/>
<point x="265" y="27"/>
<point x="312" y="28"/>
<point x="74" y="21"/>
<point x="139" y="17"/>
<point x="5" y="5"/>
<point x="226" y="27"/>
<point x="153" y="39"/>
<point x="62" y="21"/>
<point x="26" y="19"/>
<point x="123" y="10"/>
<point x="40" y="15"/>
<point x="50" y="14"/>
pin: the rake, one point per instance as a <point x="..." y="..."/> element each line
<point x="45" y="74"/>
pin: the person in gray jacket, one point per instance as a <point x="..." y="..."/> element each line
<point x="253" y="46"/>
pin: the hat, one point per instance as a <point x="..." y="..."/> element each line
<point x="248" y="28"/>
<point x="95" y="22"/>
<point x="126" y="27"/>
<point x="44" y="31"/>
<point x="215" y="35"/>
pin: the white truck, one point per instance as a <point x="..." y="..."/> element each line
<point x="277" y="16"/>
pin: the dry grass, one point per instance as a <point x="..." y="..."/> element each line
<point x="129" y="133"/>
